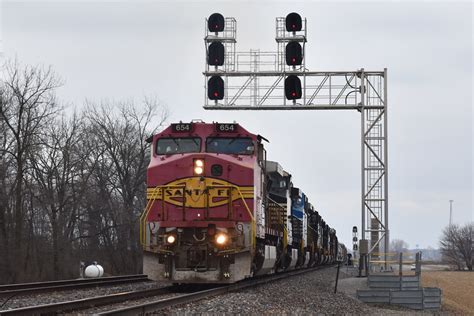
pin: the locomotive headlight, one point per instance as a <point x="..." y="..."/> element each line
<point x="221" y="239"/>
<point x="198" y="166"/>
<point x="171" y="239"/>
<point x="199" y="163"/>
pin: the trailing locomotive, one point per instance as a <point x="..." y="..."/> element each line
<point x="218" y="212"/>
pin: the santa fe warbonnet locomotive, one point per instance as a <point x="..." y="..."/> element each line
<point x="218" y="211"/>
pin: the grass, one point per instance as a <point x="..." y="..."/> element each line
<point x="457" y="287"/>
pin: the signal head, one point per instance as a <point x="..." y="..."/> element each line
<point x="215" y="54"/>
<point x="215" y="88"/>
<point x="293" y="22"/>
<point x="292" y="87"/>
<point x="294" y="54"/>
<point x="215" y="22"/>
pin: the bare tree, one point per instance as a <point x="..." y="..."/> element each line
<point x="55" y="169"/>
<point x="6" y="186"/>
<point x="398" y="245"/>
<point x="27" y="106"/>
<point x="120" y="136"/>
<point x="465" y="244"/>
<point x="457" y="244"/>
<point x="71" y="188"/>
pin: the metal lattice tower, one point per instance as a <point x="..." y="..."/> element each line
<point x="255" y="81"/>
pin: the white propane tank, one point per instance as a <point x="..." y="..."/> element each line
<point x="101" y="270"/>
<point x="94" y="271"/>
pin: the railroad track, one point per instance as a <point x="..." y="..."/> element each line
<point x="149" y="306"/>
<point x="142" y="309"/>
<point x="41" y="287"/>
<point x="86" y="302"/>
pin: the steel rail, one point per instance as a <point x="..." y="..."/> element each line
<point x="84" y="303"/>
<point x="142" y="309"/>
<point x="28" y="288"/>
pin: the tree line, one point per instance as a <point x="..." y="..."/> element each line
<point x="72" y="184"/>
<point x="457" y="246"/>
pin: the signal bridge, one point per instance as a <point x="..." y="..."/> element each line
<point x="280" y="80"/>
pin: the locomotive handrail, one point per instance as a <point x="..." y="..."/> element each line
<point x="147" y="210"/>
<point x="253" y="237"/>
<point x="154" y="196"/>
<point x="251" y="216"/>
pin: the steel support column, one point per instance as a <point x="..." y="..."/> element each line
<point x="374" y="171"/>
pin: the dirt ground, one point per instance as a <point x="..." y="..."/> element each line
<point x="457" y="286"/>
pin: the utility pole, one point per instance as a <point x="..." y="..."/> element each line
<point x="450" y="212"/>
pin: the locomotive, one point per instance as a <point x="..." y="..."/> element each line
<point x="218" y="211"/>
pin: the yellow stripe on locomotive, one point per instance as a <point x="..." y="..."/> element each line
<point x="199" y="192"/>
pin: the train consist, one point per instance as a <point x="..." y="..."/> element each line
<point x="218" y="211"/>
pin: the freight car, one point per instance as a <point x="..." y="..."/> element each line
<point x="218" y="211"/>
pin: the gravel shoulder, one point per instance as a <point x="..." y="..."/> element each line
<point x="7" y="303"/>
<point x="307" y="294"/>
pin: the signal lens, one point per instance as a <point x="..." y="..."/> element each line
<point x="171" y="239"/>
<point x="293" y="22"/>
<point x="216" y="54"/>
<point x="221" y="239"/>
<point x="216" y="22"/>
<point x="215" y="88"/>
<point x="293" y="87"/>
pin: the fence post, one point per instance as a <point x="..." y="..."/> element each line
<point x="367" y="267"/>
<point x="337" y="275"/>
<point x="418" y="263"/>
<point x="400" y="267"/>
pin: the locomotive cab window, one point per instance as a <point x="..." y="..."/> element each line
<point x="230" y="145"/>
<point x="170" y="146"/>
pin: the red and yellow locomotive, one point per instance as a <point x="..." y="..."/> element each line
<point x="215" y="213"/>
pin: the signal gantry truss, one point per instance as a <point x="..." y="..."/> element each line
<point x="255" y="81"/>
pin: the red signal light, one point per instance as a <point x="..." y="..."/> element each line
<point x="215" y="54"/>
<point x="216" y="22"/>
<point x="294" y="53"/>
<point x="293" y="87"/>
<point x="293" y="22"/>
<point x="215" y="88"/>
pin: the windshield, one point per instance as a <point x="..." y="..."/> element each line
<point x="237" y="146"/>
<point x="169" y="146"/>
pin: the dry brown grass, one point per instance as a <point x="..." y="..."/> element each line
<point x="457" y="286"/>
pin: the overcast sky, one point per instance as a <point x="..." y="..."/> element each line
<point x="122" y="50"/>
